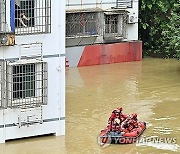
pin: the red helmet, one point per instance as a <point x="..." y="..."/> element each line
<point x="134" y="115"/>
<point x="120" y="108"/>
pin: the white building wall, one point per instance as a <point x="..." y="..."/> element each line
<point x="53" y="50"/>
<point x="132" y="29"/>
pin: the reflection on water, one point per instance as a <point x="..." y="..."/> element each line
<point x="150" y="88"/>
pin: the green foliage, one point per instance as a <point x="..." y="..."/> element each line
<point x="159" y="27"/>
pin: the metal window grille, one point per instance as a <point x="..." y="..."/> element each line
<point x="111" y="23"/>
<point x="115" y="24"/>
<point x="124" y="3"/>
<point x="81" y="24"/>
<point x="108" y="24"/>
<point x="32" y="16"/>
<point x="26" y="84"/>
<point x="23" y="81"/>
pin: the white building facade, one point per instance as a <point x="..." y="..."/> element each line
<point x="32" y="68"/>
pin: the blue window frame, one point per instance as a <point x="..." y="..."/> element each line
<point x="12" y="16"/>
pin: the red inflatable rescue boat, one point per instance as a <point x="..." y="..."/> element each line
<point x="121" y="137"/>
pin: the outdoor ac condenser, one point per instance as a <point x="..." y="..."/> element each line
<point x="132" y="19"/>
<point x="7" y="39"/>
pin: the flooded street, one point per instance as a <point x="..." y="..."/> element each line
<point x="150" y="88"/>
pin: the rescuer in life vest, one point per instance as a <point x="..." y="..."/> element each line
<point x="116" y="119"/>
<point x="130" y="123"/>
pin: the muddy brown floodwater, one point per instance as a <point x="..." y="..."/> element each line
<point x="150" y="88"/>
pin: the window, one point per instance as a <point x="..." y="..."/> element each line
<point x="32" y="16"/>
<point x="27" y="83"/>
<point x="23" y="81"/>
<point x="81" y="24"/>
<point x="115" y="25"/>
<point x="111" y="23"/>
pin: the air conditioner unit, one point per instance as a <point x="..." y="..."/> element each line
<point x="7" y="39"/>
<point x="132" y="19"/>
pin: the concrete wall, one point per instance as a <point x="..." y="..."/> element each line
<point x="104" y="54"/>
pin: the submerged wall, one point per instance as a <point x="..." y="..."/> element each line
<point x="104" y="53"/>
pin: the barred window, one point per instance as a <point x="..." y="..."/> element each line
<point x="23" y="81"/>
<point x="27" y="84"/>
<point x="81" y="24"/>
<point x="115" y="25"/>
<point x="111" y="23"/>
<point x="32" y="16"/>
